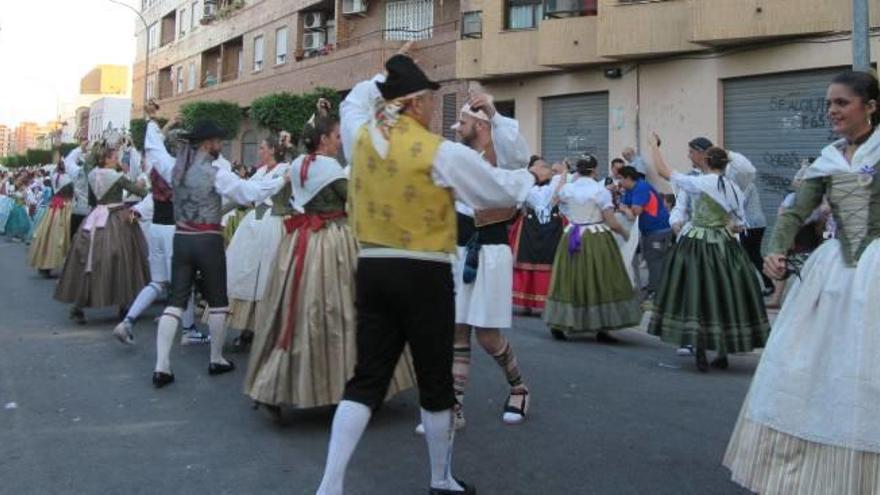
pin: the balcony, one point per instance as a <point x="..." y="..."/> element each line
<point x="765" y="19"/>
<point x="632" y="29"/>
<point x="568" y="42"/>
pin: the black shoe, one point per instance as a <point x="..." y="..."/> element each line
<point x="468" y="490"/>
<point x="606" y="338"/>
<point x="702" y="361"/>
<point x="558" y="334"/>
<point x="720" y="363"/>
<point x="220" y="368"/>
<point x="243" y="342"/>
<point x="78" y="316"/>
<point x="161" y="379"/>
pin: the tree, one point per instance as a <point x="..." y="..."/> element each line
<point x="38" y="157"/>
<point x="226" y="114"/>
<point x="289" y="112"/>
<point x="65" y="148"/>
<point x="139" y="130"/>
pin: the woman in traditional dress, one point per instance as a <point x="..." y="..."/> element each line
<point x="809" y="424"/>
<point x="19" y="223"/>
<point x="44" y="195"/>
<point x="254" y="245"/>
<point x="52" y="236"/>
<point x="710" y="297"/>
<point x="304" y="349"/>
<point x="534" y="239"/>
<point x="7" y="189"/>
<point x="107" y="264"/>
<point x="590" y="290"/>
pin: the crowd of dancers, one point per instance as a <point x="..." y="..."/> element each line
<point x="351" y="283"/>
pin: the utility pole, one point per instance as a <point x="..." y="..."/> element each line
<point x="860" y="38"/>
<point x="146" y="48"/>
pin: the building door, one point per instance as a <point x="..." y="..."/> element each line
<point x="777" y="121"/>
<point x="573" y="125"/>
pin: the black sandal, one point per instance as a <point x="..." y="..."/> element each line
<point x="509" y="408"/>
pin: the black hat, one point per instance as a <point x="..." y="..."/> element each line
<point x="404" y="78"/>
<point x="204" y="130"/>
<point x="700" y="144"/>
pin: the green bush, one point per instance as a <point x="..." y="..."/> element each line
<point x="289" y="112"/>
<point x="138" y="129"/>
<point x="65" y="148"/>
<point x="226" y="114"/>
<point x="38" y="157"/>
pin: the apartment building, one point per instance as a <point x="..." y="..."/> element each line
<point x="238" y="50"/>
<point x="600" y="75"/>
<point x="106" y="114"/>
<point x="106" y="80"/>
<point x="5" y="140"/>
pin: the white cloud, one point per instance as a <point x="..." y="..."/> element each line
<point x="47" y="46"/>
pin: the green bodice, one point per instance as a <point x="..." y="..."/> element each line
<point x="329" y="199"/>
<point x="708" y="213"/>
<point x="855" y="207"/>
<point x="114" y="194"/>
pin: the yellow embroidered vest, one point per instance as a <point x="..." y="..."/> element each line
<point x="394" y="201"/>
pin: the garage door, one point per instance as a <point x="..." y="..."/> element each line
<point x="575" y="124"/>
<point x="777" y="121"/>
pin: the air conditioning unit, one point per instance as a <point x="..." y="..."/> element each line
<point x="568" y="8"/>
<point x="472" y="26"/>
<point x="354" y="7"/>
<point x="314" y="41"/>
<point x="313" y="20"/>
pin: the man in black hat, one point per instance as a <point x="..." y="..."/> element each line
<point x="200" y="184"/>
<point x="404" y="180"/>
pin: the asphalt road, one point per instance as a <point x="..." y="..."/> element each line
<point x="78" y="414"/>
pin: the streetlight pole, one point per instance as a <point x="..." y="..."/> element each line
<point x="146" y="51"/>
<point x="860" y="38"/>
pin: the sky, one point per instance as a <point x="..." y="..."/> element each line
<point x="47" y="46"/>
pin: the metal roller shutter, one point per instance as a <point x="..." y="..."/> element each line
<point x="777" y="121"/>
<point x="573" y="125"/>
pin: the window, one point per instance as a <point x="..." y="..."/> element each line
<point x="153" y="34"/>
<point x="258" y="53"/>
<point x="450" y="115"/>
<point x="181" y="23"/>
<point x="570" y="8"/>
<point x="192" y="76"/>
<point x="281" y="46"/>
<point x="179" y="79"/>
<point x="472" y="25"/>
<point x="195" y="14"/>
<point x="249" y="146"/>
<point x="523" y="14"/>
<point x="409" y="20"/>
<point x="506" y="108"/>
<point x="150" y="92"/>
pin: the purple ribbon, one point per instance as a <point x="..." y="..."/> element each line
<point x="574" y="239"/>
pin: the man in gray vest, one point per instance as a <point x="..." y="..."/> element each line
<point x="200" y="185"/>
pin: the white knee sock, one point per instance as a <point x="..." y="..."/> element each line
<point x="217" y="327"/>
<point x="349" y="423"/>
<point x="165" y="338"/>
<point x="439" y="434"/>
<point x="144" y="299"/>
<point x="189" y="318"/>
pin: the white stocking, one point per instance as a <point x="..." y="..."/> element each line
<point x="217" y="327"/>
<point x="349" y="423"/>
<point x="439" y="433"/>
<point x="165" y="338"/>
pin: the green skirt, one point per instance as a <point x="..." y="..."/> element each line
<point x="590" y="290"/>
<point x="710" y="295"/>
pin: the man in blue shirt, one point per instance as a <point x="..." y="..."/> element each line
<point x="643" y="201"/>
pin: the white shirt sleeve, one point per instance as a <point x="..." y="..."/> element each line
<point x="156" y="153"/>
<point x="475" y="182"/>
<point x="686" y="183"/>
<point x="356" y="110"/>
<point x="740" y="170"/>
<point x="511" y="149"/>
<point x="680" y="214"/>
<point x="240" y="191"/>
<point x="71" y="167"/>
<point x="603" y="198"/>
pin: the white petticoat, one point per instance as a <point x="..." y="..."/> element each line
<point x="819" y="376"/>
<point x="250" y="255"/>
<point x="487" y="302"/>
